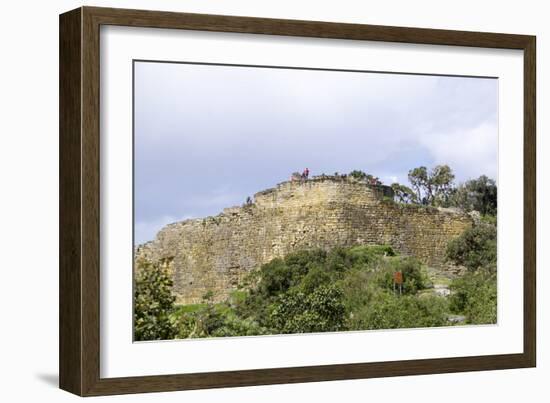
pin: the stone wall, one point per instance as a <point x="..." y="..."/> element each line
<point x="215" y="253"/>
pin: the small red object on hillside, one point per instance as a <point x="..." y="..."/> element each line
<point x="398" y="277"/>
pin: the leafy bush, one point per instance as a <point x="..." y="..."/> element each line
<point x="284" y="297"/>
<point x="317" y="276"/>
<point x="356" y="174"/>
<point x="414" y="277"/>
<point x="153" y="303"/>
<point x="215" y="320"/>
<point x="390" y="311"/>
<point x="202" y="323"/>
<point x="236" y="326"/>
<point x="276" y="277"/>
<point x="342" y="289"/>
<point x="368" y="254"/>
<point x="477" y="194"/>
<point x="475" y="248"/>
<point x="279" y="275"/>
<point x="403" y="194"/>
<point x="432" y="187"/>
<point x="319" y="311"/>
<point x="363" y="176"/>
<point x="475" y="296"/>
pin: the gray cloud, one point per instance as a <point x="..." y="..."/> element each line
<point x="206" y="137"/>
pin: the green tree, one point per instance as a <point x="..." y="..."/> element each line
<point x="215" y="320"/>
<point x="346" y="288"/>
<point x="278" y="275"/>
<point x="432" y="187"/>
<point x="356" y="174"/>
<point x="363" y="176"/>
<point x="153" y="302"/>
<point x="419" y="180"/>
<point x="475" y="248"/>
<point x="414" y="276"/>
<point x="404" y="194"/>
<point x="475" y="296"/>
<point x="322" y="310"/>
<point x="389" y="311"/>
<point x="442" y="178"/>
<point x="477" y="194"/>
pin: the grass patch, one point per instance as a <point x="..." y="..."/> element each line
<point x="190" y="308"/>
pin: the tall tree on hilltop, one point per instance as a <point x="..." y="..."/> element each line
<point x="432" y="187"/>
<point x="477" y="194"/>
<point x="403" y="194"/>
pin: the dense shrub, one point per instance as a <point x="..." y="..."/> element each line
<point x="477" y="194"/>
<point x="390" y="311"/>
<point x="414" y="277"/>
<point x="475" y="296"/>
<point x="153" y="303"/>
<point x="316" y="276"/>
<point x="292" y="294"/>
<point x="344" y="289"/>
<point x="432" y="187"/>
<point x="279" y="275"/>
<point x="322" y="310"/>
<point x="475" y="248"/>
<point x="215" y="321"/>
<point x="356" y="174"/>
<point x="366" y="255"/>
<point x="403" y="194"/>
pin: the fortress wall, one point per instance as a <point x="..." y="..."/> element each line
<point x="215" y="253"/>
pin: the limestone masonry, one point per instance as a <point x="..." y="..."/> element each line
<point x="215" y="253"/>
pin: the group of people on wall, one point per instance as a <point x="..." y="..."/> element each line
<point x="304" y="176"/>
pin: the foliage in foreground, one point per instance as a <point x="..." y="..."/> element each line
<point x="475" y="296"/>
<point x="475" y="293"/>
<point x="319" y="291"/>
<point x="153" y="301"/>
<point x="345" y="288"/>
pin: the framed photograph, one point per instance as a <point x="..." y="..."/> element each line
<point x="248" y="201"/>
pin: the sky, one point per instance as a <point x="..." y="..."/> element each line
<point x="206" y="137"/>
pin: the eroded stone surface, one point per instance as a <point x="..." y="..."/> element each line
<point x="215" y="253"/>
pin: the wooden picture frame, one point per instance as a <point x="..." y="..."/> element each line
<point x="79" y="347"/>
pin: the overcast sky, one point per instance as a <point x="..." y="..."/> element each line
<point x="206" y="137"/>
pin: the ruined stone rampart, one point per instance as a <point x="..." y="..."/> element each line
<point x="214" y="253"/>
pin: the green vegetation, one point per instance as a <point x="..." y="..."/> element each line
<point x="319" y="291"/>
<point x="476" y="248"/>
<point x="477" y="194"/>
<point x="356" y="174"/>
<point x="475" y="293"/>
<point x="475" y="296"/>
<point x="363" y="176"/>
<point x="153" y="302"/>
<point x="436" y="188"/>
<point x="343" y="289"/>
<point x="404" y="194"/>
<point x="432" y="187"/>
